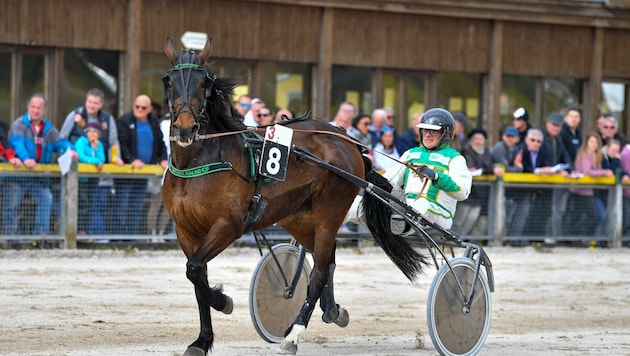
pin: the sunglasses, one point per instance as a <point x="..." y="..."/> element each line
<point x="535" y="140"/>
<point x="140" y="107"/>
<point x="390" y="117"/>
<point x="243" y="105"/>
<point x="387" y="128"/>
<point x="608" y="127"/>
<point x="263" y="115"/>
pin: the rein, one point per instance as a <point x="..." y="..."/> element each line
<point x="414" y="168"/>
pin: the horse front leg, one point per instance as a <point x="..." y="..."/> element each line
<point x="207" y="297"/>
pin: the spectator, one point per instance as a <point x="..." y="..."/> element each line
<point x="92" y="111"/>
<point x="624" y="160"/>
<point x="243" y="105"/>
<point x="379" y="120"/>
<point x="534" y="159"/>
<point x="73" y="127"/>
<point x="283" y="114"/>
<point x="344" y="116"/>
<point x="360" y="129"/>
<point x="157" y="216"/>
<point x="449" y="180"/>
<point x="410" y="138"/>
<point x="387" y="146"/>
<point x="141" y="143"/>
<point x="521" y="122"/>
<point x="461" y="124"/>
<point x="90" y="150"/>
<point x="479" y="160"/>
<point x="570" y="133"/>
<point x="506" y="149"/>
<point x="563" y="163"/>
<point x="389" y="122"/>
<point x="34" y="140"/>
<point x="608" y="129"/>
<point x="588" y="162"/>
<point x="265" y="116"/>
<point x="6" y="152"/>
<point x="251" y="118"/>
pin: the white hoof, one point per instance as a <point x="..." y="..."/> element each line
<point x="287" y="348"/>
<point x="344" y="318"/>
<point x="194" y="351"/>
<point x="229" y="305"/>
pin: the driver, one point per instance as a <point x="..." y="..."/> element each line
<point x="449" y="179"/>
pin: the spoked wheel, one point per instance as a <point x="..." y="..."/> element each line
<point x="271" y="307"/>
<point x="454" y="328"/>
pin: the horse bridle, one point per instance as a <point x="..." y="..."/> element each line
<point x="186" y="70"/>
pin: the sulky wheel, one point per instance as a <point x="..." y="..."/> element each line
<point x="271" y="308"/>
<point x="455" y="329"/>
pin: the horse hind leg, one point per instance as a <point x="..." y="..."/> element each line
<point x="298" y="327"/>
<point x="332" y="312"/>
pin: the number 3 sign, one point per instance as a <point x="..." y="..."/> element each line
<point x="275" y="152"/>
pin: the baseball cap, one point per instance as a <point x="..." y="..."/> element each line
<point x="521" y="114"/>
<point x="555" y="118"/>
<point x="511" y="131"/>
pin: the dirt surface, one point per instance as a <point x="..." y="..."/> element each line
<point x="570" y="301"/>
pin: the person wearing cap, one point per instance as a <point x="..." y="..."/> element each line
<point x="443" y="168"/>
<point x="562" y="164"/>
<point x="92" y="151"/>
<point x="521" y="122"/>
<point x="504" y="151"/>
<point x="471" y="212"/>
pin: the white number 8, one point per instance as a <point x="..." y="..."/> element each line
<point x="273" y="160"/>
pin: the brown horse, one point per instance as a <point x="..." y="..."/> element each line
<point x="209" y="187"/>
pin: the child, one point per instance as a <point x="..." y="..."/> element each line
<point x="90" y="150"/>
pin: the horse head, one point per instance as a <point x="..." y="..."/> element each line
<point x="188" y="86"/>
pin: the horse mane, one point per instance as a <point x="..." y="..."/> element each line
<point x="221" y="113"/>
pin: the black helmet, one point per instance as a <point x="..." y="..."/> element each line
<point x="437" y="119"/>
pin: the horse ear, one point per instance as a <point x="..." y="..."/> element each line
<point x="207" y="50"/>
<point x="170" y="50"/>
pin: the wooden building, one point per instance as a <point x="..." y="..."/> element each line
<point x="407" y="54"/>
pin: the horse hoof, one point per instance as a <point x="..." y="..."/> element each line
<point x="344" y="318"/>
<point x="229" y="305"/>
<point x="287" y="348"/>
<point x="194" y="351"/>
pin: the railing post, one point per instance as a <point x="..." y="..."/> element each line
<point x="71" y="200"/>
<point x="499" y="211"/>
<point x="617" y="215"/>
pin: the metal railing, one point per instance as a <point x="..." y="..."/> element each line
<point x="68" y="224"/>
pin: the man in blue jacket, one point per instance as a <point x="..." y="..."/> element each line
<point x="34" y="140"/>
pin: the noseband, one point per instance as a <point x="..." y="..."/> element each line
<point x="185" y="71"/>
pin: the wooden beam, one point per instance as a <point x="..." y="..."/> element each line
<point x="324" y="67"/>
<point x="594" y="91"/>
<point x="491" y="111"/>
<point x="131" y="63"/>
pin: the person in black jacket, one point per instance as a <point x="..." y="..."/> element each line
<point x="559" y="198"/>
<point x="570" y="134"/>
<point x="140" y="143"/>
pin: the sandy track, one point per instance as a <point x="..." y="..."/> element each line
<point x="101" y="302"/>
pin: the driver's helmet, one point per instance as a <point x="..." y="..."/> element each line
<point x="438" y="119"/>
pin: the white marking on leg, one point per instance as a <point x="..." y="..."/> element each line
<point x="296" y="331"/>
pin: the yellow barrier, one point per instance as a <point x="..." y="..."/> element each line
<point x="149" y="169"/>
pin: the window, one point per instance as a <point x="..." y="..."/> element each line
<point x="560" y="94"/>
<point x="5" y="91"/>
<point x="351" y="84"/>
<point x="461" y="92"/>
<point x="86" y="69"/>
<point x="516" y="92"/>
<point x="614" y="101"/>
<point x="287" y="86"/>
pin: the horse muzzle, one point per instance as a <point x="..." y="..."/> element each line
<point x="185" y="137"/>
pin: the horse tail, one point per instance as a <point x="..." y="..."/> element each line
<point x="377" y="216"/>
